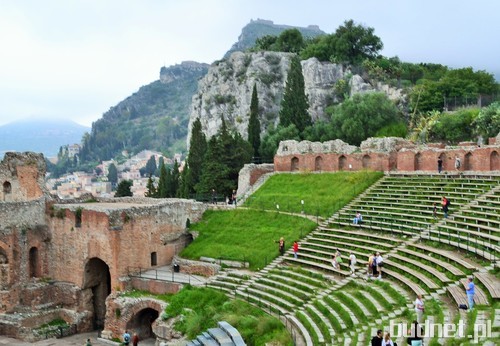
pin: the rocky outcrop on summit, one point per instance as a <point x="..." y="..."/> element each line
<point x="226" y="90"/>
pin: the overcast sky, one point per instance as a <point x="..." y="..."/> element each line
<point x="75" y="59"/>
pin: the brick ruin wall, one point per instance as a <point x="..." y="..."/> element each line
<point x="45" y="245"/>
<point x="384" y="154"/>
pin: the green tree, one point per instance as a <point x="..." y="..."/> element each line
<point x="362" y="116"/>
<point x="294" y="106"/>
<point x="162" y="184"/>
<point x="197" y="150"/>
<point x="272" y="139"/>
<point x="454" y="127"/>
<point x="173" y="181"/>
<point x="123" y="189"/>
<point x="354" y="43"/>
<point x="487" y="123"/>
<point x="290" y="40"/>
<point x="254" y="123"/>
<point x="112" y="174"/>
<point x="150" y="188"/>
<point x="183" y="191"/>
<point x="150" y="168"/>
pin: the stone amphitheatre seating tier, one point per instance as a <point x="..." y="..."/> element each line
<point x="445" y="265"/>
<point x="491" y="283"/>
<point x="458" y="294"/>
<point x="454" y="258"/>
<point x="431" y="270"/>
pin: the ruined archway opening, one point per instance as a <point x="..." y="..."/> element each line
<point x="98" y="279"/>
<point x="366" y="161"/>
<point x="141" y="323"/>
<point x="34" y="265"/>
<point x="7" y="187"/>
<point x="468" y="162"/>
<point x="4" y="270"/>
<point x="494" y="161"/>
<point x="295" y="164"/>
<point x="417" y="163"/>
<point x="342" y="162"/>
<point x="318" y="163"/>
<point x="154" y="259"/>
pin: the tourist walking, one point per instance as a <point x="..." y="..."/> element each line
<point x="295" y="249"/>
<point x="352" y="262"/>
<point x="419" y="308"/>
<point x="377" y="339"/>
<point x="470" y="290"/>
<point x="126" y="338"/>
<point x="440" y="165"/>
<point x="379" y="262"/>
<point x="445" y="203"/>
<point x="386" y="341"/>
<point x="135" y="339"/>
<point x="281" y="246"/>
<point x="458" y="163"/>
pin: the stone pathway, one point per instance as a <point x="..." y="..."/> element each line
<point x="74" y="340"/>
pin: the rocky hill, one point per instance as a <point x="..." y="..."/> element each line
<point x="226" y="90"/>
<point x="155" y="117"/>
<point x="261" y="27"/>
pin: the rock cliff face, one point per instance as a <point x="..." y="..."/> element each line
<point x="226" y="90"/>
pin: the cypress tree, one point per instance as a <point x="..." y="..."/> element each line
<point x="294" y="106"/>
<point x="254" y="123"/>
<point x="150" y="188"/>
<point x="162" y="185"/>
<point x="197" y="150"/>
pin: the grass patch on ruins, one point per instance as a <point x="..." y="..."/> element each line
<point x="198" y="309"/>
<point x="323" y="193"/>
<point x="245" y="235"/>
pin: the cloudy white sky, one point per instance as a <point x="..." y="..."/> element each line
<point x="75" y="59"/>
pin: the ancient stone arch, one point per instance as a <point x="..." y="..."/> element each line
<point x="318" y="163"/>
<point x="494" y="161"/>
<point x="141" y="322"/>
<point x="342" y="162"/>
<point x="7" y="187"/>
<point x="97" y="279"/>
<point x="366" y="161"/>
<point x="442" y="156"/>
<point x="295" y="164"/>
<point x="4" y="269"/>
<point x="34" y="263"/>
<point x="417" y="162"/>
<point x="468" y="166"/>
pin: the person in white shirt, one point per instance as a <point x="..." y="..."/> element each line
<point x="352" y="262"/>
<point x="380" y="262"/>
<point x="419" y="308"/>
<point x="386" y="341"/>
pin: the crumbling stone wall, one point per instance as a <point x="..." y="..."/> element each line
<point x="22" y="177"/>
<point x="383" y="154"/>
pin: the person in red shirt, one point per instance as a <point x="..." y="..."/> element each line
<point x="135" y="339"/>
<point x="295" y="248"/>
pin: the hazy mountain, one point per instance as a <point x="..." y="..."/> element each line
<point x="41" y="136"/>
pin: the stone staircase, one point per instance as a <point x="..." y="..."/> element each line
<point x="223" y="335"/>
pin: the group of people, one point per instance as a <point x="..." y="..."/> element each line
<point x="127" y="339"/>
<point x="415" y="337"/>
<point x="337" y="260"/>
<point x="375" y="264"/>
<point x="458" y="164"/>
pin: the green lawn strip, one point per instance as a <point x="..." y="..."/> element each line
<point x="333" y="320"/>
<point x="392" y="292"/>
<point x="202" y="308"/>
<point x="302" y="318"/>
<point x="379" y="297"/>
<point x="245" y="235"/>
<point x="344" y="314"/>
<point x="295" y="292"/>
<point x="356" y="310"/>
<point x="296" y="285"/>
<point x="306" y="280"/>
<point x="366" y="302"/>
<point x="320" y="323"/>
<point x="323" y="194"/>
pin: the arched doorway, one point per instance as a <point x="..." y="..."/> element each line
<point x="7" y="187"/>
<point x="494" y="161"/>
<point x="445" y="162"/>
<point x="98" y="279"/>
<point x="417" y="163"/>
<point x="366" y="161"/>
<point x="295" y="164"/>
<point x="342" y="162"/>
<point x="4" y="270"/>
<point x="318" y="163"/>
<point x="34" y="265"/>
<point x="468" y="162"/>
<point x="141" y="323"/>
